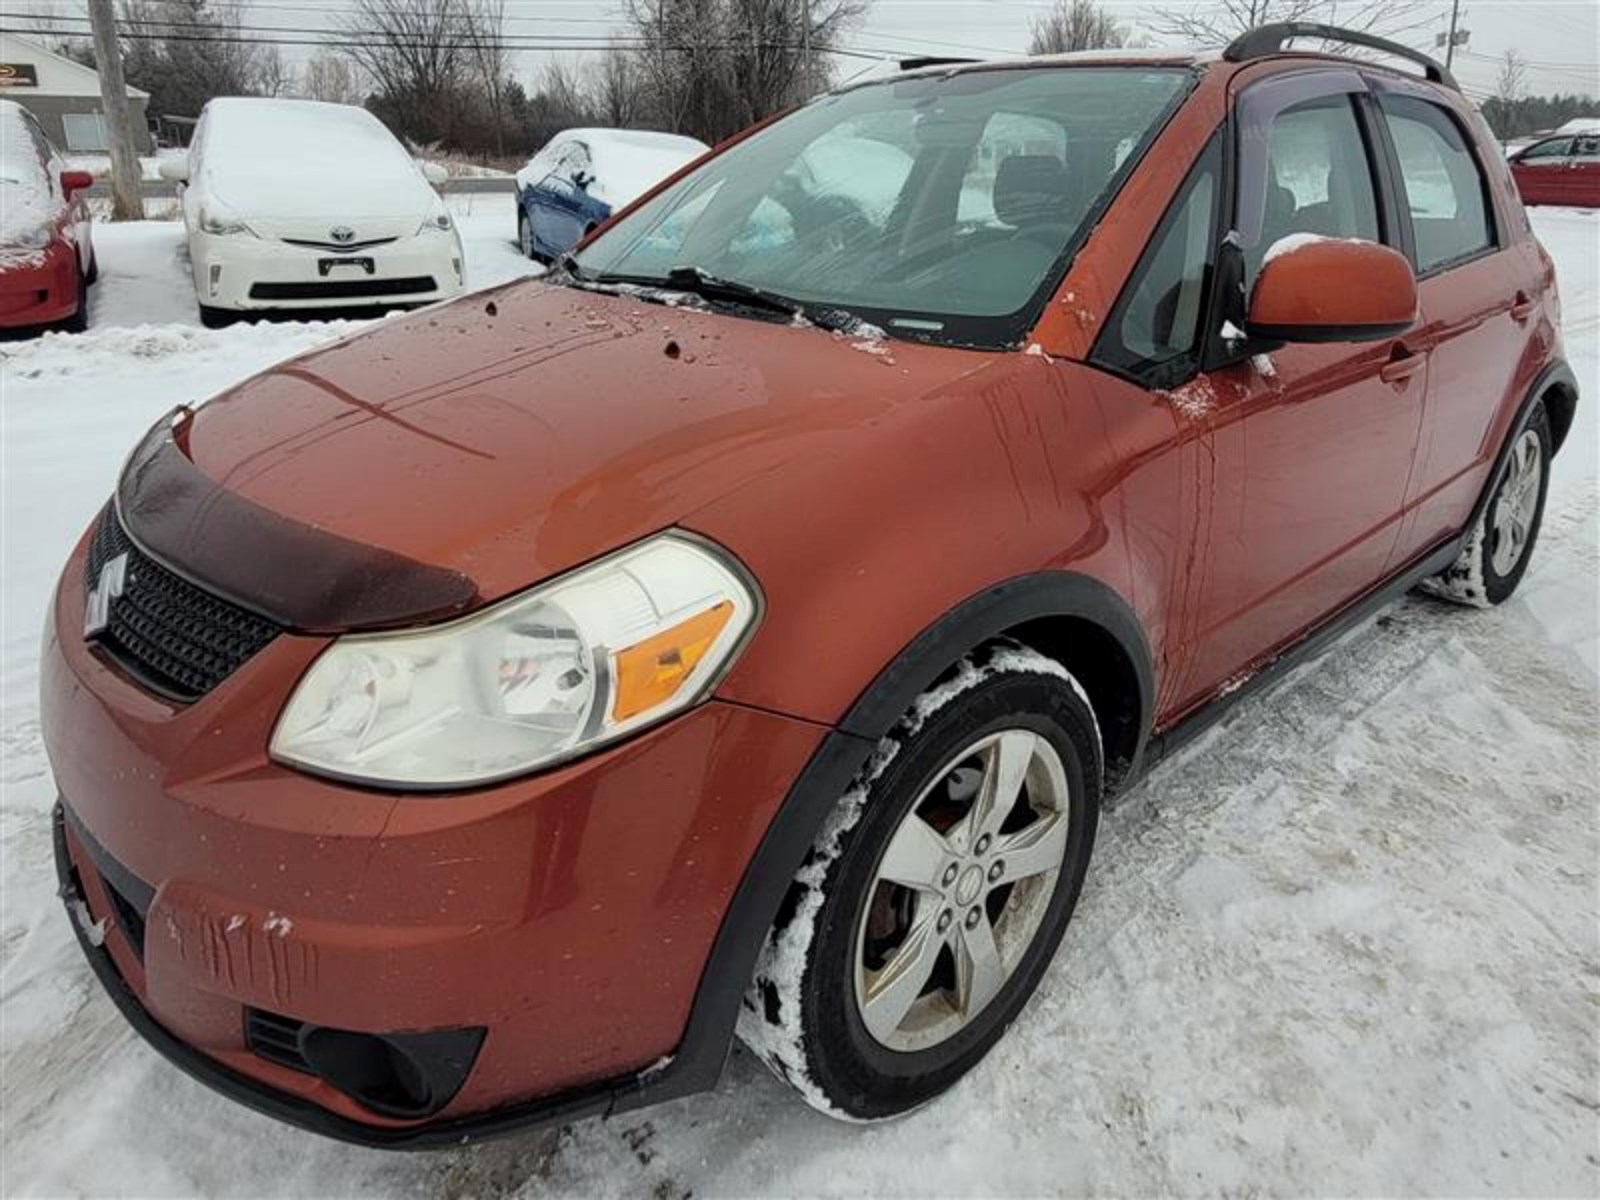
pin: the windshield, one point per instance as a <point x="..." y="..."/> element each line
<point x="941" y="207"/>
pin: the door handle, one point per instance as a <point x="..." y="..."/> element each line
<point x="1521" y="308"/>
<point x="1401" y="366"/>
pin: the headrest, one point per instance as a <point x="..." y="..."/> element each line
<point x="1030" y="189"/>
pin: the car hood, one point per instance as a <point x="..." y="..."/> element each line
<point x="262" y="192"/>
<point x="513" y="434"/>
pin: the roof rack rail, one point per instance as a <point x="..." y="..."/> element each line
<point x="934" y="60"/>
<point x="1265" y="40"/>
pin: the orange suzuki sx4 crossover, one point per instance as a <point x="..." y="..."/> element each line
<point x="481" y="719"/>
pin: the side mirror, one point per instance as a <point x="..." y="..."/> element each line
<point x="1316" y="289"/>
<point x="73" y="182"/>
<point x="175" y="169"/>
<point x="581" y="180"/>
<point x="435" y="174"/>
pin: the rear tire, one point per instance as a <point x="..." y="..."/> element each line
<point x="93" y="275"/>
<point x="872" y="996"/>
<point x="1495" y="556"/>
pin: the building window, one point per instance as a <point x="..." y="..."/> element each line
<point x="86" y="132"/>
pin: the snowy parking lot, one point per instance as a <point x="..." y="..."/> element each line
<point x="1348" y="943"/>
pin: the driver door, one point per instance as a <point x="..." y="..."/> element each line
<point x="1297" y="457"/>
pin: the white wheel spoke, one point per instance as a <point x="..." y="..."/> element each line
<point x="979" y="972"/>
<point x="916" y="857"/>
<point x="1034" y="850"/>
<point x="1003" y="777"/>
<point x="892" y="992"/>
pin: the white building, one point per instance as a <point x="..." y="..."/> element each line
<point x="64" y="96"/>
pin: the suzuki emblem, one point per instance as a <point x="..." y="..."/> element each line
<point x="342" y="234"/>
<point x="113" y="578"/>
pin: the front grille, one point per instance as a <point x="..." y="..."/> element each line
<point x="341" y="247"/>
<point x="275" y="1038"/>
<point x="344" y="289"/>
<point x="175" y="638"/>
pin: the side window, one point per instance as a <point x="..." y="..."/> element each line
<point x="1445" y="189"/>
<point x="1319" y="178"/>
<point x="1586" y="147"/>
<point x="1554" y="148"/>
<point x="1154" y="330"/>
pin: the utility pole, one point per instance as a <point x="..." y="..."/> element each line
<point x="126" y="203"/>
<point x="1450" y="42"/>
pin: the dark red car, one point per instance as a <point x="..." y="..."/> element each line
<point x="46" y="250"/>
<point x="474" y="721"/>
<point x="1561" y="170"/>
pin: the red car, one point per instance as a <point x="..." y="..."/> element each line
<point x="472" y="722"/>
<point x="1560" y="170"/>
<point x="46" y="251"/>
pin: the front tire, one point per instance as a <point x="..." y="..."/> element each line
<point x="217" y="318"/>
<point x="931" y="904"/>
<point x="1495" y="556"/>
<point x="525" y="235"/>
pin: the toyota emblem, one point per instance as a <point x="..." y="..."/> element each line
<point x="342" y="234"/>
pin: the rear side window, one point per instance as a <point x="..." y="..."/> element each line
<point x="1586" y="147"/>
<point x="1154" y="331"/>
<point x="1446" y="192"/>
<point x="1319" y="177"/>
<point x="1554" y="148"/>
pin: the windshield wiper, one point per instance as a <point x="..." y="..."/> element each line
<point x="697" y="281"/>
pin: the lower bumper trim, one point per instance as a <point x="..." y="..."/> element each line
<point x="591" y="1101"/>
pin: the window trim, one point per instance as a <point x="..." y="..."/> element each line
<point x="1175" y="372"/>
<point x="1498" y="240"/>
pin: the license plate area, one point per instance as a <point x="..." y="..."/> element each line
<point x="326" y="266"/>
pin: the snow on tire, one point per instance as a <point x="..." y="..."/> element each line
<point x="936" y="892"/>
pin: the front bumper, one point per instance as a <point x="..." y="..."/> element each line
<point x="570" y="916"/>
<point x="246" y="273"/>
<point x="40" y="290"/>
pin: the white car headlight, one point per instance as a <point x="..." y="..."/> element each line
<point x="542" y="677"/>
<point x="222" y="224"/>
<point x="440" y="223"/>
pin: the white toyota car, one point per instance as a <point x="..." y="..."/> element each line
<point x="294" y="204"/>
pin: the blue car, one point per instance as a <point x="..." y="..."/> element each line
<point x="583" y="175"/>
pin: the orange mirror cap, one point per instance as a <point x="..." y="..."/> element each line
<point x="1313" y="289"/>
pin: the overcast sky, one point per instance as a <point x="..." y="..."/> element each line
<point x="1559" y="38"/>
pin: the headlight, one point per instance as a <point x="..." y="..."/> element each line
<point x="436" y="224"/>
<point x="537" y="679"/>
<point x="222" y="224"/>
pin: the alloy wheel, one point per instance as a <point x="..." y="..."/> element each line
<point x="961" y="890"/>
<point x="1516" y="504"/>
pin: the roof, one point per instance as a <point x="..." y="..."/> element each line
<point x="58" y="75"/>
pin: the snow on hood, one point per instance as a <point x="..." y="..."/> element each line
<point x="304" y="159"/>
<point x="625" y="163"/>
<point x="26" y="201"/>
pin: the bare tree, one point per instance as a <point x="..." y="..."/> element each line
<point x="419" y="57"/>
<point x="1075" y="25"/>
<point x="710" y="67"/>
<point x="187" y="52"/>
<point x="486" y="21"/>
<point x="329" y="78"/>
<point x="1512" y="81"/>
<point x="1219" y="22"/>
<point x="66" y="38"/>
<point x="618" y="89"/>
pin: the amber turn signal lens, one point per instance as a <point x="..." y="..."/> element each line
<point x="650" y="672"/>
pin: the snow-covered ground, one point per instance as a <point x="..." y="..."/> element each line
<point x="1347" y="944"/>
